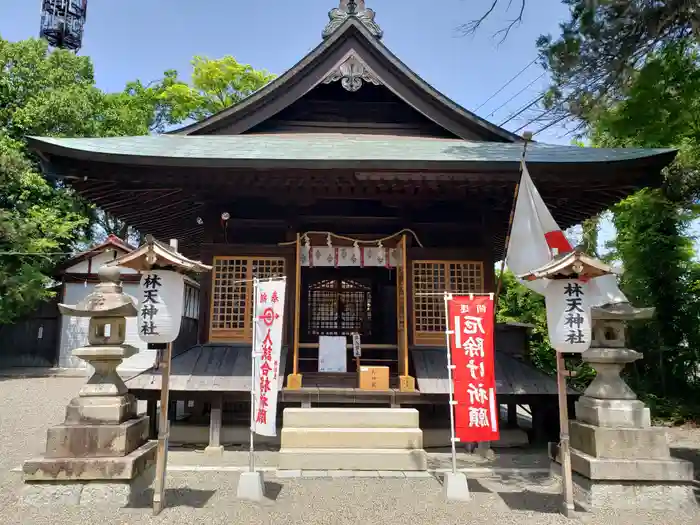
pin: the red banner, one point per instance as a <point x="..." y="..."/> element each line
<point x="470" y="321"/>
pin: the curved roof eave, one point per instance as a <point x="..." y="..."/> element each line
<point x="268" y="90"/>
<point x="333" y="151"/>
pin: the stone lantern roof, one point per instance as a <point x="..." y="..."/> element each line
<point x="107" y="300"/>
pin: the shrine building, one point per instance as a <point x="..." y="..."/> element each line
<point x="372" y="193"/>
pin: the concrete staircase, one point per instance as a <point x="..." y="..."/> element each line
<point x="351" y="439"/>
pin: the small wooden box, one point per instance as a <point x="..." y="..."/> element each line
<point x="374" y="378"/>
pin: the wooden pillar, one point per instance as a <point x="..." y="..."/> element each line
<point x="152" y="413"/>
<point x="215" y="419"/>
<point x="294" y="379"/>
<point x="172" y="411"/>
<point x="484" y="450"/>
<point x="512" y="415"/>
<point x="406" y="382"/>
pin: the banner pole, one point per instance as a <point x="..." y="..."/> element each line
<point x="164" y="423"/>
<point x="453" y="438"/>
<point x="252" y="378"/>
<point x="564" y="451"/>
<point x="163" y="432"/>
<point x="528" y="137"/>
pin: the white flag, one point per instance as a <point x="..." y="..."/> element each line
<point x="536" y="238"/>
<point x="267" y="323"/>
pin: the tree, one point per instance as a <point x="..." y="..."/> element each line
<point x="216" y="85"/>
<point x="659" y="107"/>
<point x="34" y="219"/>
<point x="589" y="235"/>
<point x="53" y="93"/>
<point x="46" y="92"/>
<point x="604" y="43"/>
<point x="599" y="47"/>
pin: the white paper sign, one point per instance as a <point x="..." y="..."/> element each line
<point x="356" y="345"/>
<point x="568" y="315"/>
<point x="268" y="323"/>
<point x="161" y="298"/>
<point x="332" y="355"/>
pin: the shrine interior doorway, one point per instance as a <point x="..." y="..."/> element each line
<point x="342" y="301"/>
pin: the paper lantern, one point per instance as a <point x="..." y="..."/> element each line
<point x="568" y="315"/>
<point x="161" y="299"/>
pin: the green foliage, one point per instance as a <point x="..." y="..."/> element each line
<point x="216" y="85"/>
<point x="34" y="218"/>
<point x="603" y="45"/>
<point x="652" y="241"/>
<point x="46" y="92"/>
<point x="660" y="107"/>
<point x="589" y="238"/>
<point x="53" y="93"/>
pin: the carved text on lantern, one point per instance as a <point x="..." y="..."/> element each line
<point x="574" y="308"/>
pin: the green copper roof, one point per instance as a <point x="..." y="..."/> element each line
<point x="324" y="149"/>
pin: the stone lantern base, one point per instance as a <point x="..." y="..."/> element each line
<point x="618" y="459"/>
<point x="626" y="468"/>
<point x="100" y="454"/>
<point x="115" y="481"/>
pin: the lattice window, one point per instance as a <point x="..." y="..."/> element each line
<point x="232" y="294"/>
<point x="339" y="307"/>
<point x="430" y="280"/>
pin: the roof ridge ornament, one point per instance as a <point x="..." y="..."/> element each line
<point x="352" y="8"/>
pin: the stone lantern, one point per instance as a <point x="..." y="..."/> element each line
<point x="100" y="453"/>
<point x="608" y="400"/>
<point x="619" y="460"/>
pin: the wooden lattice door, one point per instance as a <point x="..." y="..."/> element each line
<point x="339" y="307"/>
<point x="232" y="294"/>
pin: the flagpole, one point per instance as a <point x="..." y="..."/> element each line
<point x="448" y="332"/>
<point x="253" y="385"/>
<point x="527" y="135"/>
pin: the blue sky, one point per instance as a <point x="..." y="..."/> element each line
<point x="130" y="39"/>
<point x="139" y="39"/>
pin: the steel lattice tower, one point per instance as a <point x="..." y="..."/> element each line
<point x="62" y="23"/>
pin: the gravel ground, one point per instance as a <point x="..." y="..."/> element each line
<point x="29" y="406"/>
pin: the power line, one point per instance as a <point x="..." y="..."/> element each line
<point x="517" y="94"/>
<point x="41" y="254"/>
<point x="557" y="121"/>
<point x="521" y="110"/>
<point x="506" y="84"/>
<point x="560" y="105"/>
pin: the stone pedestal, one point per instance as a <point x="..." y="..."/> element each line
<point x="100" y="454"/>
<point x="618" y="459"/>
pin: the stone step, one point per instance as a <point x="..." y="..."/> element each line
<point x="350" y="418"/>
<point x="351" y="459"/>
<point x="345" y="438"/>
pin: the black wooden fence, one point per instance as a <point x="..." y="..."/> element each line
<point x="32" y="340"/>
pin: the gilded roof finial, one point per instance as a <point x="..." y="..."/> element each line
<point x="352" y="8"/>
